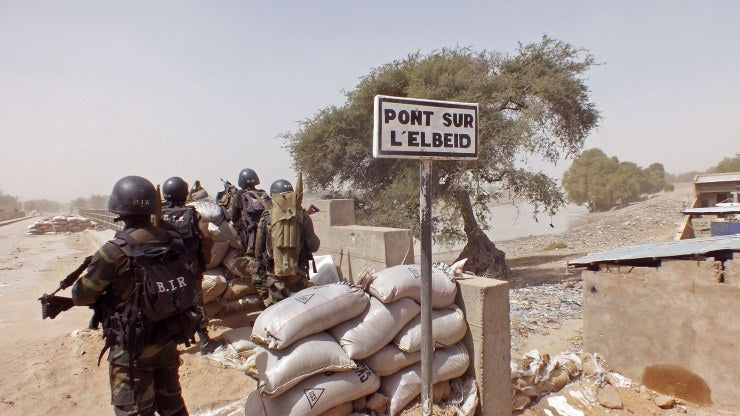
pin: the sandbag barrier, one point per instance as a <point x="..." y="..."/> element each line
<point x="62" y="224"/>
<point x="344" y="348"/>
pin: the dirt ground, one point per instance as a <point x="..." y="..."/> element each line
<point x="50" y="366"/>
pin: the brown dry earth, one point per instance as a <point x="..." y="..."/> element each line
<point x="50" y="367"/>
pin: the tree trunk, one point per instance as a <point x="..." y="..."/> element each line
<point x="484" y="259"/>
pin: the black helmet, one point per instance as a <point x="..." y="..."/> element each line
<point x="133" y="195"/>
<point x="280" y="186"/>
<point x="175" y="189"/>
<point x="247" y="178"/>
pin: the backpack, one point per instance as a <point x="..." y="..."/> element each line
<point x="229" y="199"/>
<point x="182" y="222"/>
<point x="160" y="308"/>
<point x="253" y="204"/>
<point x="280" y="227"/>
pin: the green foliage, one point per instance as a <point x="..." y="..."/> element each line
<point x="532" y="105"/>
<point x="728" y="164"/>
<point x="602" y="182"/>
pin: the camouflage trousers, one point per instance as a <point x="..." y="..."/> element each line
<point x="151" y="384"/>
<point x="273" y="289"/>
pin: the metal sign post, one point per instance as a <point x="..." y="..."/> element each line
<point x="425" y="216"/>
<point x="426" y="130"/>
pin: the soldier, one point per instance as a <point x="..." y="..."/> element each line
<point x="286" y="241"/>
<point x="143" y="357"/>
<point x="251" y="203"/>
<point x="182" y="221"/>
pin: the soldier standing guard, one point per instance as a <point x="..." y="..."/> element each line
<point x="144" y="377"/>
<point x="182" y="221"/>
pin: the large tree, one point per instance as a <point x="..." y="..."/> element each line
<point x="533" y="105"/>
<point x="601" y="182"/>
<point x="728" y="164"/>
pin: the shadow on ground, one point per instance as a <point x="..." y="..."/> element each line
<point x="541" y="269"/>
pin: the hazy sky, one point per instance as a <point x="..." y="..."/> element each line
<point x="93" y="91"/>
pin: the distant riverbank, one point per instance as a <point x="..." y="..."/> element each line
<point x="509" y="222"/>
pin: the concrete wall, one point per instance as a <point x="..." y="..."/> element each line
<point x="674" y="328"/>
<point x="485" y="302"/>
<point x="356" y="248"/>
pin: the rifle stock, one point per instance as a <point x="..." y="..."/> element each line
<point x="52" y="305"/>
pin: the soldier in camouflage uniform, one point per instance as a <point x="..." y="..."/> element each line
<point x="151" y="382"/>
<point x="182" y="221"/>
<point x="274" y="286"/>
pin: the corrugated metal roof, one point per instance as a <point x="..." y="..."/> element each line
<point x="717" y="177"/>
<point x="669" y="249"/>
<point x="713" y="210"/>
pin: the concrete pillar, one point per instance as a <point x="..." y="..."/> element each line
<point x="486" y="306"/>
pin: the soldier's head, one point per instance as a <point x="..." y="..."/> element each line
<point x="175" y="190"/>
<point x="133" y="198"/>
<point x="280" y="186"/>
<point x="248" y="179"/>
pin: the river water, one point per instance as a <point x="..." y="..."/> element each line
<point x="509" y="222"/>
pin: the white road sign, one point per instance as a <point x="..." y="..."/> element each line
<point x="424" y="129"/>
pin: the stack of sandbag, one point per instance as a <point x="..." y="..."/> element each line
<point x="337" y="328"/>
<point x="398" y="362"/>
<point x="61" y="224"/>
<point x="222" y="292"/>
<point x="302" y="369"/>
<point x="218" y="233"/>
<point x="227" y="283"/>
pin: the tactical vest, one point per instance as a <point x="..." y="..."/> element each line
<point x="160" y="307"/>
<point x="182" y="222"/>
<point x="253" y="204"/>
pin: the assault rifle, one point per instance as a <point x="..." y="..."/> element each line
<point x="52" y="305"/>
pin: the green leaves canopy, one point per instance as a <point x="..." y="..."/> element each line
<point x="602" y="182"/>
<point x="532" y="105"/>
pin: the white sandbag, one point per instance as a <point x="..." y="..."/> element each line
<point x="237" y="263"/>
<point x="214" y="284"/>
<point x="404" y="281"/>
<point x="326" y="271"/>
<point x="209" y="211"/>
<point x="218" y="251"/>
<point x="405" y="385"/>
<point x="391" y="359"/>
<point x="237" y="288"/>
<point x="315" y="395"/>
<point x="307" y="312"/>
<point x="199" y="194"/>
<point x="224" y="232"/>
<point x="279" y="370"/>
<point x="364" y="335"/>
<point x="448" y="327"/>
<point x="238" y="339"/>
